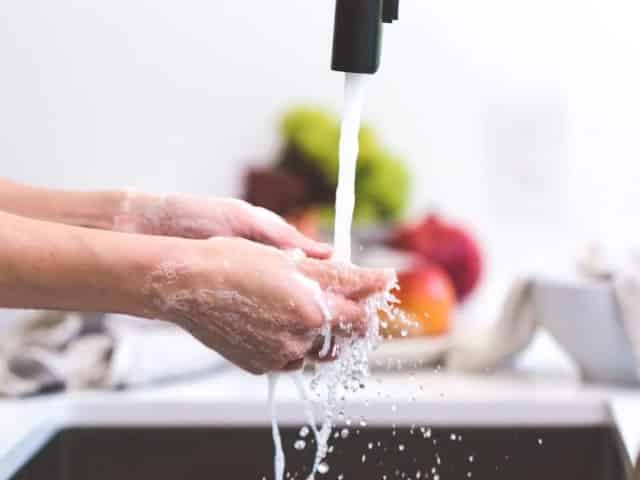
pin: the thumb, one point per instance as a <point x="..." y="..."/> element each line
<point x="272" y="229"/>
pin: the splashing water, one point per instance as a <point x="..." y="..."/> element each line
<point x="279" y="460"/>
<point x="333" y="380"/>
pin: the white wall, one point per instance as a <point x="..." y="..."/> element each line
<point x="514" y="114"/>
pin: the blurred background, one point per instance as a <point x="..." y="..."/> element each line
<point x="518" y="120"/>
<point x="500" y="163"/>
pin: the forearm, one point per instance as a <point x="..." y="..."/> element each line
<point x="87" y="209"/>
<point x="53" y="266"/>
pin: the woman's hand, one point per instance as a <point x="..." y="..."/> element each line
<point x="261" y="308"/>
<point x="204" y="217"/>
<point x="167" y="215"/>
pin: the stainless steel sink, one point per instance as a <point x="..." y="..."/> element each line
<point x="164" y="453"/>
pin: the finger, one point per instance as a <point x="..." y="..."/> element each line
<point x="294" y="239"/>
<point x="349" y="281"/>
<point x="348" y="318"/>
<point x="274" y="230"/>
<point x="287" y="237"/>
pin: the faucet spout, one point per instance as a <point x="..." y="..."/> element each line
<point x="357" y="38"/>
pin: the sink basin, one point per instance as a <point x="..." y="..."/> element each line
<point x="159" y="453"/>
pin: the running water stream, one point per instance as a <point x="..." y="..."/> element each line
<point x="354" y="93"/>
<point x="332" y="380"/>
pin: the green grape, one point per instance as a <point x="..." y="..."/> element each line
<point x="364" y="213"/>
<point x="385" y="185"/>
<point x="301" y="118"/>
<point x="382" y="180"/>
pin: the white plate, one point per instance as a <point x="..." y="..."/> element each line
<point x="409" y="353"/>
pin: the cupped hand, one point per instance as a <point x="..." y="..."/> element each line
<point x="205" y="217"/>
<point x="260" y="307"/>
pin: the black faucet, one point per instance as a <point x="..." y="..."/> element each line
<point x="357" y="37"/>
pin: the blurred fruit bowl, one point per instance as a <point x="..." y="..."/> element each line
<point x="439" y="265"/>
<point x="426" y="296"/>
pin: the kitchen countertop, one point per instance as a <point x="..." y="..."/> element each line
<point x="234" y="398"/>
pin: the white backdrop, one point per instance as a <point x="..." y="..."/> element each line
<point x="517" y="116"/>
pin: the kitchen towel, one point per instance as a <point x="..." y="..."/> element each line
<point x="474" y="350"/>
<point x="492" y="346"/>
<point x="56" y="351"/>
<point x="606" y="280"/>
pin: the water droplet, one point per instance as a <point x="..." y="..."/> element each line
<point x="304" y="431"/>
<point x="471" y="459"/>
<point x="418" y="474"/>
<point x="452" y="436"/>
<point x="364" y="458"/>
<point x="469" y="475"/>
<point x="340" y="477"/>
<point x="370" y="445"/>
<point x="540" y="442"/>
<point x="436" y="477"/>
<point x="344" y="433"/>
<point x="299" y="444"/>
<point x="401" y="447"/>
<point x="323" y="468"/>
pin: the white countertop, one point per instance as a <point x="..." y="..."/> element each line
<point x="234" y="398"/>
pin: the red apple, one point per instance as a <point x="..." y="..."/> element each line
<point x="447" y="245"/>
<point x="427" y="295"/>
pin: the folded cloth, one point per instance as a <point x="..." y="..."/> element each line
<point x="67" y="351"/>
<point x="475" y="350"/>
<point x="522" y="315"/>
<point x="495" y="345"/>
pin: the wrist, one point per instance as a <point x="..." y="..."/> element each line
<point x="185" y="270"/>
<point x="140" y="213"/>
<point x="97" y="210"/>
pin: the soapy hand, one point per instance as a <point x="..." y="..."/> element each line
<point x="204" y="217"/>
<point x="261" y="308"/>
